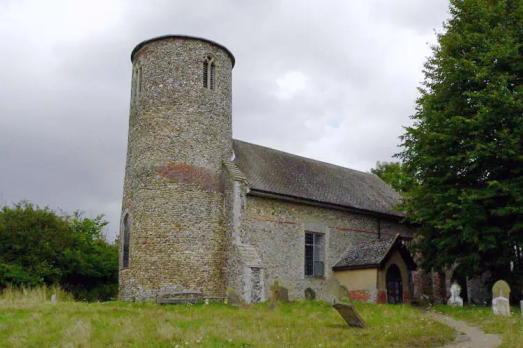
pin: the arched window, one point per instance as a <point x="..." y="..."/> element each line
<point x="211" y="80"/>
<point x="126" y="239"/>
<point x="137" y="82"/>
<point x="209" y="68"/>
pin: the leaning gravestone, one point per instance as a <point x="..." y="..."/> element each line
<point x="348" y="313"/>
<point x="455" y="300"/>
<point x="500" y="298"/>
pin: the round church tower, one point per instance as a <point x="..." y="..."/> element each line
<point x="180" y="130"/>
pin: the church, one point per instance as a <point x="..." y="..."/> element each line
<point x="203" y="213"/>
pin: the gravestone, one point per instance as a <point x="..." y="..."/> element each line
<point x="501" y="288"/>
<point x="233" y="298"/>
<point x="279" y="293"/>
<point x="348" y="313"/>
<point x="455" y="300"/>
<point x="334" y="291"/>
<point x="521" y="304"/>
<point x="53" y="298"/>
<point x="283" y="294"/>
<point x="310" y="294"/>
<point x="500" y="298"/>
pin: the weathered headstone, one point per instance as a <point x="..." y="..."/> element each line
<point x="279" y="293"/>
<point x="233" y="298"/>
<point x="455" y="300"/>
<point x="334" y="291"/>
<point x="500" y="298"/>
<point x="310" y="294"/>
<point x="283" y="294"/>
<point x="501" y="288"/>
<point x="348" y="313"/>
<point x="53" y="298"/>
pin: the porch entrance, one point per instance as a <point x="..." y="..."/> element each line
<point x="394" y="285"/>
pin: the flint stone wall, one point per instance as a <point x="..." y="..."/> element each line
<point x="179" y="133"/>
<point x="277" y="230"/>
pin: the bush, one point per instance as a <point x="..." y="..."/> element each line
<point x="40" y="247"/>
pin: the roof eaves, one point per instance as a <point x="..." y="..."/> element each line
<point x="277" y="195"/>
<point x="354" y="267"/>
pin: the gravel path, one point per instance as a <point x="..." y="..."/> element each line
<point x="468" y="336"/>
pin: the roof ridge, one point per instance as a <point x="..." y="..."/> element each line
<point x="305" y="158"/>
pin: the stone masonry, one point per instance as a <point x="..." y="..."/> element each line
<point x="277" y="229"/>
<point x="179" y="134"/>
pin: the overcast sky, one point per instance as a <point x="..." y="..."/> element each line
<point x="331" y="80"/>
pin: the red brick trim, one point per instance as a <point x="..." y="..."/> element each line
<point x="407" y="297"/>
<point x="360" y="295"/>
<point x="382" y="296"/>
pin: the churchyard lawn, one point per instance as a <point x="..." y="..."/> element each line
<point x="509" y="328"/>
<point x="34" y="320"/>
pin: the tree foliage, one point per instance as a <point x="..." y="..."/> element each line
<point x="39" y="246"/>
<point x="394" y="174"/>
<point x="465" y="147"/>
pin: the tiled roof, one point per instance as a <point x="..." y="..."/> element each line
<point x="282" y="173"/>
<point x="366" y="254"/>
<point x="234" y="171"/>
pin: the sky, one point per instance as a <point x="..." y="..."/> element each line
<point x="331" y="80"/>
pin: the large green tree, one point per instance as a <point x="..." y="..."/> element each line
<point x="465" y="146"/>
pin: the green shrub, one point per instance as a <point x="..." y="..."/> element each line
<point x="40" y="247"/>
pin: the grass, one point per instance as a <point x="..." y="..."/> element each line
<point x="510" y="328"/>
<point x="31" y="320"/>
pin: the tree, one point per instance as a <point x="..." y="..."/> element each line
<point x="394" y="174"/>
<point x="465" y="146"/>
<point x="38" y="246"/>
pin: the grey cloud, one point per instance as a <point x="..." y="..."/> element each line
<point x="64" y="102"/>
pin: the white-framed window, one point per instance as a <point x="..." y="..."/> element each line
<point x="209" y="71"/>
<point x="314" y="254"/>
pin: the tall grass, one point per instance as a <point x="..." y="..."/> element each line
<point x="11" y="295"/>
